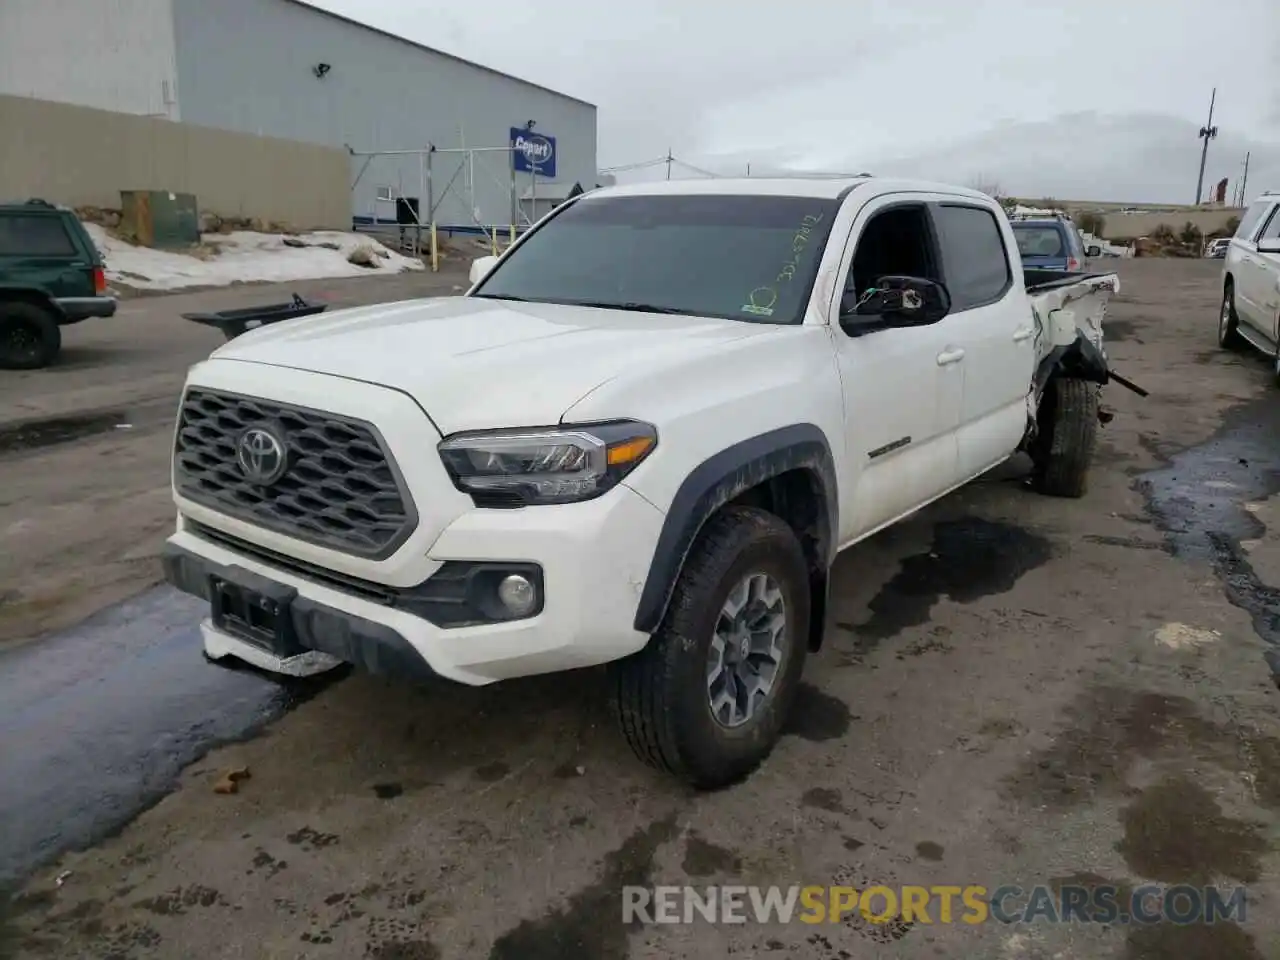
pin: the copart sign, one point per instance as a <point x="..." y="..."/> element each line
<point x="533" y="152"/>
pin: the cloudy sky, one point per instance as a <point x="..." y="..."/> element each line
<point x="1002" y="90"/>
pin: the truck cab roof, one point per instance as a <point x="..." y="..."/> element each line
<point x="831" y="188"/>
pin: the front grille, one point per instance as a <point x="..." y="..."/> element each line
<point x="341" y="488"/>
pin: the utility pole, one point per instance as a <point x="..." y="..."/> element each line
<point x="668" y="163"/>
<point x="1244" y="180"/>
<point x="1207" y="133"/>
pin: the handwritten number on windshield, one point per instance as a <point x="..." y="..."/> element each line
<point x="761" y="300"/>
<point x="799" y="243"/>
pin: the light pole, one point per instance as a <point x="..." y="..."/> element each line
<point x="1207" y="133"/>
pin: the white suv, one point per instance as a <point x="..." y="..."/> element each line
<point x="1251" y="282"/>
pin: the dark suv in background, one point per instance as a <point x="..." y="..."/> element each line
<point x="51" y="275"/>
<point x="1051" y="243"/>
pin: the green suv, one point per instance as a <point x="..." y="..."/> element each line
<point x="51" y="275"/>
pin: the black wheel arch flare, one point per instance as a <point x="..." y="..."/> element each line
<point x="726" y="476"/>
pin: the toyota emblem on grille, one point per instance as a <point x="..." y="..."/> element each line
<point x="261" y="456"/>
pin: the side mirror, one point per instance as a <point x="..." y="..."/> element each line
<point x="895" y="302"/>
<point x="481" y="267"/>
<point x="1269" y="245"/>
<point x="1093" y="251"/>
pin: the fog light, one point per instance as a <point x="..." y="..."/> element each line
<point x="518" y="595"/>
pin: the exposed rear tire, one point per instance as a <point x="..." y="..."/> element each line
<point x="1068" y="432"/>
<point x="1228" y="323"/>
<point x="667" y="696"/>
<point x="30" y="337"/>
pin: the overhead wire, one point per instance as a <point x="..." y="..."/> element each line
<point x="702" y="171"/>
<point x="690" y="166"/>
<point x="625" y="167"/>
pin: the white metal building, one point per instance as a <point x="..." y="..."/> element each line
<point x="283" y="68"/>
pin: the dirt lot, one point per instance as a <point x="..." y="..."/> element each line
<point x="81" y="522"/>
<point x="1014" y="690"/>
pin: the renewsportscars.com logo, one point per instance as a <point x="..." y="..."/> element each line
<point x="971" y="904"/>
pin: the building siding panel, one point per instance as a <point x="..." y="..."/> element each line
<point x="248" y="65"/>
<point x="109" y="54"/>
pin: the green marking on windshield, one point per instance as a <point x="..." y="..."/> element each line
<point x="762" y="300"/>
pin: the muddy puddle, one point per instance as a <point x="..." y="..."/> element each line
<point x="1199" y="501"/>
<point x="99" y="721"/>
<point x="50" y="431"/>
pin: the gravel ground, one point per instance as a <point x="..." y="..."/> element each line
<point x="1014" y="690"/>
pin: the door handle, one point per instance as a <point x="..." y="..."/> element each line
<point x="1022" y="333"/>
<point x="953" y="355"/>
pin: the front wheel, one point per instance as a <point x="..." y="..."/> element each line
<point x="1067" y="433"/>
<point x="1228" y="322"/>
<point x="706" y="699"/>
<point x="30" y="337"/>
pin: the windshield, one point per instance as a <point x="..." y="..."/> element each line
<point x="736" y="256"/>
<point x="1036" y="241"/>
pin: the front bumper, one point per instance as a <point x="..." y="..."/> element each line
<point x="315" y="628"/>
<point x="592" y="558"/>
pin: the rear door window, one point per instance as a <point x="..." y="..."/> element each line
<point x="1252" y="218"/>
<point x="974" y="262"/>
<point x="28" y="236"/>
<point x="1272" y="230"/>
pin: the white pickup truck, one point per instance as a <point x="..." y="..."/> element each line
<point x="640" y="438"/>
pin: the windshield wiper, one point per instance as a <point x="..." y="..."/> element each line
<point x="630" y="305"/>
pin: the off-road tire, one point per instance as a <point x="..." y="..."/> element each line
<point x="659" y="695"/>
<point x="30" y="337"/>
<point x="1062" y="451"/>
<point x="1228" y="322"/>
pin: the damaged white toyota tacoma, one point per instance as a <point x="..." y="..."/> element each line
<point x="639" y="439"/>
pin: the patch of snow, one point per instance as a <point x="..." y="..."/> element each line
<point x="245" y="257"/>
<point x="1021" y="211"/>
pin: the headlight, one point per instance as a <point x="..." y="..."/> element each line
<point x="562" y="465"/>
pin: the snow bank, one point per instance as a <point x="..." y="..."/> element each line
<point x="245" y="257"/>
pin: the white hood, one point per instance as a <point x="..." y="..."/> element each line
<point x="472" y="363"/>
